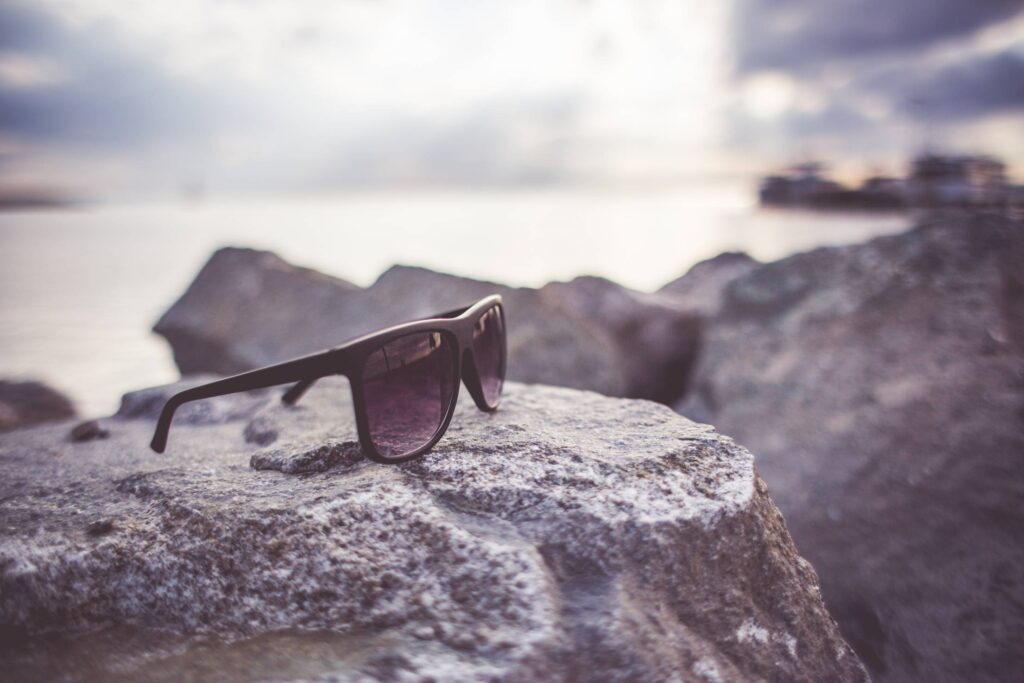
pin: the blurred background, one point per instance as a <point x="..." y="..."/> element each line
<point x="515" y="143"/>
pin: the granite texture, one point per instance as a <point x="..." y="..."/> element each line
<point x="568" y="536"/>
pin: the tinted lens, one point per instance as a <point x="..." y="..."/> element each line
<point x="489" y="350"/>
<point x="408" y="385"/>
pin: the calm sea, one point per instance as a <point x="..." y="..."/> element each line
<point x="80" y="289"/>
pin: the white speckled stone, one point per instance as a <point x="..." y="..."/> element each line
<point x="568" y="536"/>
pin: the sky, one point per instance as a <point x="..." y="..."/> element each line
<point x="126" y="100"/>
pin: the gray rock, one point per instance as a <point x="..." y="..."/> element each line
<point x="546" y="345"/>
<point x="1011" y="291"/>
<point x="568" y="536"/>
<point x="29" y="403"/>
<point x="89" y="430"/>
<point x="656" y="338"/>
<point x="882" y="391"/>
<point x="701" y="288"/>
<point x="248" y="308"/>
<point x="307" y="455"/>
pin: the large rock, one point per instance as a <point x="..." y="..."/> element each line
<point x="568" y="536"/>
<point x="881" y="387"/>
<point x="248" y="308"/>
<point x="29" y="403"/>
<point x="656" y="337"/>
<point x="702" y="287"/>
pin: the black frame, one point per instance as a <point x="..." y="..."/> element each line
<point x="348" y="360"/>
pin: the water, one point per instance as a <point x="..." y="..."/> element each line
<point x="79" y="290"/>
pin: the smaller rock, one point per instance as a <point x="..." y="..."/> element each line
<point x="311" y="456"/>
<point x="261" y="432"/>
<point x="101" y="527"/>
<point x="28" y="403"/>
<point x="90" y="430"/>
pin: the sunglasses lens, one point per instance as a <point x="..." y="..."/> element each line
<point x="489" y="351"/>
<point x="408" y="386"/>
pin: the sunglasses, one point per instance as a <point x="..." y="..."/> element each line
<point x="405" y="379"/>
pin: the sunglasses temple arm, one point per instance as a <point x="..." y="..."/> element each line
<point x="297" y="391"/>
<point x="305" y="370"/>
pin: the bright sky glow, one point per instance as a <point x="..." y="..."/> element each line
<point x="235" y="97"/>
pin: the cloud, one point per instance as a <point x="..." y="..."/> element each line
<point x="317" y="96"/>
<point x="976" y="86"/>
<point x="501" y="142"/>
<point x="805" y="35"/>
<point x="22" y="28"/>
<point x="862" y="77"/>
<point x="85" y="86"/>
<point x="970" y="87"/>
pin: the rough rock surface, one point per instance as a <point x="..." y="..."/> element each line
<point x="701" y="288"/>
<point x="568" y="536"/>
<point x="881" y="387"/>
<point x="29" y="403"/>
<point x="248" y="308"/>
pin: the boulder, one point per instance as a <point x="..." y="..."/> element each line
<point x="701" y="288"/>
<point x="29" y="403"/>
<point x="568" y="536"/>
<point x="545" y="344"/>
<point x="656" y="338"/>
<point x="881" y="387"/>
<point x="248" y="308"/>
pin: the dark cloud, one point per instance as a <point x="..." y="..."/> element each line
<point x="890" y="80"/>
<point x="979" y="85"/>
<point x="961" y="92"/>
<point x="803" y="35"/>
<point x="22" y="28"/>
<point x="108" y="95"/>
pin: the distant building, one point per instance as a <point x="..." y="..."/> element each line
<point x="884" y="192"/>
<point x="935" y="181"/>
<point x="806" y="186"/>
<point x="969" y="180"/>
<point x="801" y="185"/>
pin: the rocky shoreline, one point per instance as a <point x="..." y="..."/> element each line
<point x="880" y="387"/>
